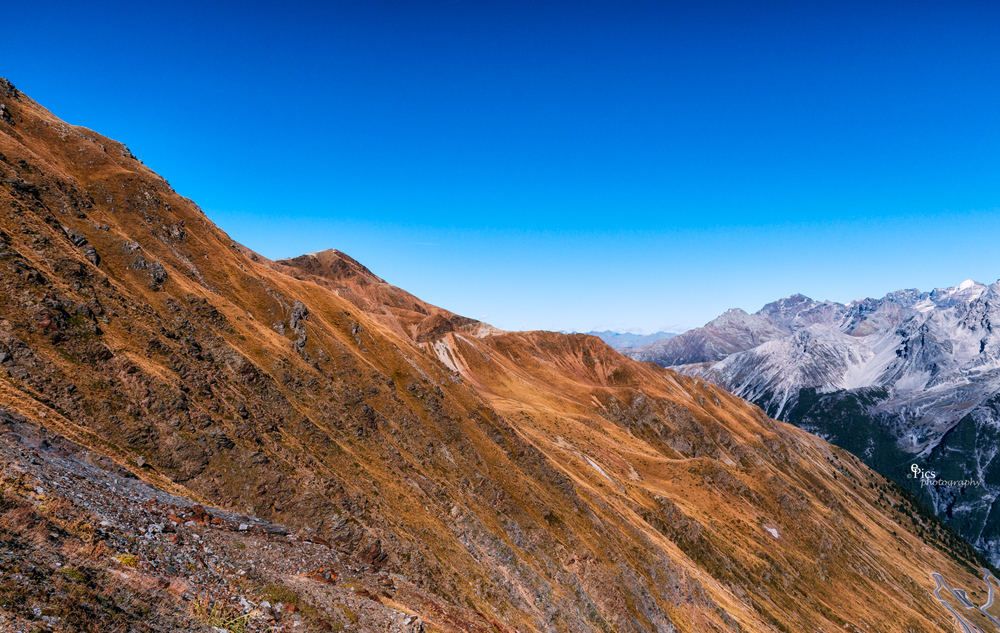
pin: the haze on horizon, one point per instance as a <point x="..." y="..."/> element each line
<point x="553" y="165"/>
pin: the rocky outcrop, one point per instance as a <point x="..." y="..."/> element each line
<point x="433" y="328"/>
<point x="296" y="321"/>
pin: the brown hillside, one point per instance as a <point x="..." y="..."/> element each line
<point x="528" y="481"/>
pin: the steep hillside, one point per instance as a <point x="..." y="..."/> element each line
<point x="495" y="481"/>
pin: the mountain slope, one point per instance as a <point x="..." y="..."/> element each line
<point x="732" y="332"/>
<point x="909" y="379"/>
<point x="516" y="481"/>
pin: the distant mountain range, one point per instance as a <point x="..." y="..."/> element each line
<point x="622" y="340"/>
<point x="910" y="379"/>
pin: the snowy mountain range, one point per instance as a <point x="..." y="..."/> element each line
<point x="911" y="378"/>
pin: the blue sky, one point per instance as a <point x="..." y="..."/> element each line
<point x="559" y="165"/>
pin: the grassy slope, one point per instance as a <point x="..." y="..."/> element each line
<point x="549" y="483"/>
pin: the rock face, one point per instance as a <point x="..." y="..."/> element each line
<point x="517" y="481"/>
<point x="909" y="379"/>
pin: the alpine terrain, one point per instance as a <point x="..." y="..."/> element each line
<point x="909" y="382"/>
<point x="194" y="436"/>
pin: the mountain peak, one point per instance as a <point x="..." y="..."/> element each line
<point x="798" y="297"/>
<point x="968" y="290"/>
<point x="731" y="316"/>
<point x="968" y="283"/>
<point x="796" y="300"/>
<point x="331" y="264"/>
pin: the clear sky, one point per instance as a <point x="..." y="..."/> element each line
<point x="559" y="165"/>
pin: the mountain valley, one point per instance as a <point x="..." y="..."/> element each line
<point x="907" y="381"/>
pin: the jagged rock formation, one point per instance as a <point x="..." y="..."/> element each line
<point x="513" y="481"/>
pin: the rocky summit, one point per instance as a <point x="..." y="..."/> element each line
<point x="196" y="438"/>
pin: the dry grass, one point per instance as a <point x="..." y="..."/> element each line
<point x="220" y="616"/>
<point x="79" y="591"/>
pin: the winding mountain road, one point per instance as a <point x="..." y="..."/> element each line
<point x="965" y="625"/>
<point x="989" y="598"/>
<point x="963" y="599"/>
